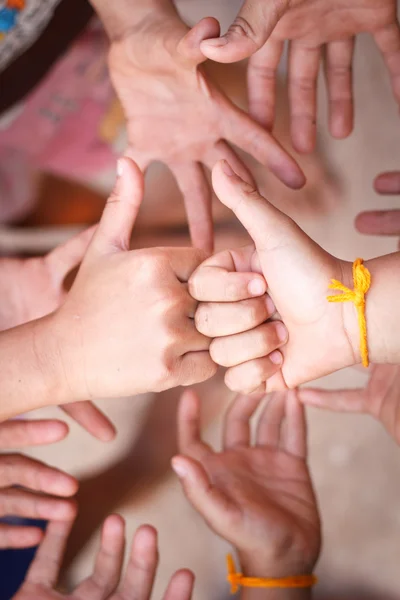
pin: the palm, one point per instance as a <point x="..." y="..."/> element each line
<point x="259" y="498"/>
<point x="177" y="115"/>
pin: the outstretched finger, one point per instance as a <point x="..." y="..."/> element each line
<point x="237" y="431"/>
<point x="261" y="82"/>
<point x="142" y="565"/>
<point x="388" y="183"/>
<point x="388" y="42"/>
<point x="269" y="426"/>
<point x="197" y="197"/>
<point x="20" y="433"/>
<point x="294" y="434"/>
<point x="180" y="586"/>
<point x="92" y="419"/>
<point x="109" y="561"/>
<point x="303" y="74"/>
<point x="379" y="222"/>
<point x="23" y="503"/>
<point x="19" y="536"/>
<point x="189" y="426"/>
<point x="339" y="79"/>
<point x="45" y="567"/>
<point x="335" y="400"/>
<point x="222" y="150"/>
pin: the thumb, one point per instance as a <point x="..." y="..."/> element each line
<point x="189" y="46"/>
<point x="115" y="228"/>
<point x="335" y="400"/>
<point x="265" y="224"/>
<point x="209" y="502"/>
<point x="248" y="33"/>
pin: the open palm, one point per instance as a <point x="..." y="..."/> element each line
<point x="259" y="498"/>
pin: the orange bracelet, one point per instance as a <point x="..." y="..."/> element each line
<point x="362" y="283"/>
<point x="237" y="580"/>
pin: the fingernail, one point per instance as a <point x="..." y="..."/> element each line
<point x="227" y="169"/>
<point x="120" y="167"/>
<point x="257" y="287"/>
<point x="276" y="357"/>
<point x="215" y="43"/>
<point x="270" y="305"/>
<point x="179" y="469"/>
<point x="281" y="332"/>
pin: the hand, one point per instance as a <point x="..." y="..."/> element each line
<point x="259" y="498"/>
<point x="38" y="484"/>
<point x="382" y="222"/>
<point x="176" y="114"/>
<point x="298" y="273"/>
<point x="34" y="287"/>
<point x="127" y="325"/>
<point x="380" y="398"/>
<point x="312" y="27"/>
<point x="40" y="582"/>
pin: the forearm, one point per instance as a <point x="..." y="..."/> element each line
<point x="121" y="16"/>
<point x="382" y="312"/>
<point x="28" y="369"/>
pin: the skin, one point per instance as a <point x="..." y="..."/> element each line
<point x="175" y="113"/>
<point x="316" y="30"/>
<point x="322" y="337"/>
<point x="257" y="496"/>
<point x="381" y="396"/>
<point x="42" y="490"/>
<point x="106" y="581"/>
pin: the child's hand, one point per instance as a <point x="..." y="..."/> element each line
<point x="322" y="337"/>
<point x="104" y="583"/>
<point x="38" y="484"/>
<point x="259" y="498"/>
<point x="380" y="398"/>
<point x="127" y="325"/>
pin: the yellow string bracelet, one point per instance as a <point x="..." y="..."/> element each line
<point x="237" y="580"/>
<point x="362" y="283"/>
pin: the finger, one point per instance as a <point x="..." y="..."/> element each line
<point x="19" y="536"/>
<point x="17" y="469"/>
<point x="261" y="83"/>
<point x="142" y="566"/>
<point x="303" y="74"/>
<point x="221" y="278"/>
<point x="249" y="31"/>
<point x="250" y="376"/>
<point x="18" y="434"/>
<point x="45" y="567"/>
<point x="189" y="46"/>
<point x="109" y="561"/>
<point x="197" y="197"/>
<point x="115" y="228"/>
<point x="180" y="586"/>
<point x="270" y="423"/>
<point x="388" y="42"/>
<point x="22" y="503"/>
<point x="259" y="143"/>
<point x="264" y="223"/>
<point x="195" y="367"/>
<point x="379" y="222"/>
<point x="215" y="319"/>
<point x="237" y="430"/>
<point x="184" y="261"/>
<point x="212" y="504"/>
<point x="335" y="400"/>
<point x="243" y="347"/>
<point x="222" y="150"/>
<point x="294" y="434"/>
<point x="388" y="183"/>
<point x="92" y="419"/>
<point x="189" y="428"/>
<point x="339" y="79"/>
<point x="68" y="256"/>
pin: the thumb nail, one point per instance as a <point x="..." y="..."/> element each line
<point x="215" y="43"/>
<point x="179" y="469"/>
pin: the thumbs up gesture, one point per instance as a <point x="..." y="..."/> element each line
<point x="126" y="326"/>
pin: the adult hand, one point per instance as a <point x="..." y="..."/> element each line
<point x="177" y="115"/>
<point x="40" y="490"/>
<point x="257" y="497"/>
<point x="314" y="28"/>
<point x="34" y="287"/>
<point x="104" y="582"/>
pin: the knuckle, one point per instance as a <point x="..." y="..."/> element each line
<point x="241" y="27"/>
